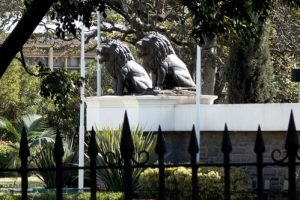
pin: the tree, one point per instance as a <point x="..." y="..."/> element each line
<point x="66" y="11"/>
<point x="243" y="23"/>
<point x="18" y="90"/>
<point x="284" y="47"/>
<point x="249" y="73"/>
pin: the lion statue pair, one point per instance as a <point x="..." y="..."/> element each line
<point x="160" y="63"/>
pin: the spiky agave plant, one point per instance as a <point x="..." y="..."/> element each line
<point x="44" y="158"/>
<point x="109" y="141"/>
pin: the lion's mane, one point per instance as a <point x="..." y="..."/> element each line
<point x="160" y="49"/>
<point x="119" y="56"/>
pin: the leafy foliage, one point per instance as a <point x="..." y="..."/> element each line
<point x="7" y="153"/>
<point x="67" y="12"/>
<point x="249" y="71"/>
<point x="19" y="93"/>
<point x="285" y="51"/>
<point x="44" y="158"/>
<point x="60" y="85"/>
<point x="91" y="80"/>
<point x="109" y="141"/>
<point x="215" y="18"/>
<point x="179" y="183"/>
<point x="286" y="91"/>
<point x="38" y="133"/>
<point x="52" y="196"/>
<point x="36" y="127"/>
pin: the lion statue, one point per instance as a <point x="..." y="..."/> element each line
<point x="126" y="73"/>
<point x="160" y="60"/>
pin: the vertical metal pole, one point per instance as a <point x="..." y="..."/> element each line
<point x="298" y="92"/>
<point x="24" y="153"/>
<point x="93" y="152"/>
<point x="226" y="149"/>
<point x="81" y="125"/>
<point x="292" y="146"/>
<point x="127" y="150"/>
<point x="160" y="150"/>
<point x="198" y="93"/>
<point x="259" y="149"/>
<point x="98" y="64"/>
<point x="193" y="150"/>
<point x="58" y="153"/>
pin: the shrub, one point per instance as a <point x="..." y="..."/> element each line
<point x="44" y="158"/>
<point x="52" y="196"/>
<point x="179" y="183"/>
<point x="7" y="157"/>
<point x="109" y="141"/>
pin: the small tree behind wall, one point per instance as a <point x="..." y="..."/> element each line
<point x="249" y="73"/>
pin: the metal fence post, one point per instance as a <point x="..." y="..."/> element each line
<point x="160" y="150"/>
<point x="292" y="146"/>
<point x="193" y="149"/>
<point x="93" y="152"/>
<point x="24" y="153"/>
<point x="259" y="149"/>
<point x="127" y="150"/>
<point x="58" y="153"/>
<point x="226" y="149"/>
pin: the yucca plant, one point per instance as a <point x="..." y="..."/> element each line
<point x="44" y="159"/>
<point x="109" y="141"/>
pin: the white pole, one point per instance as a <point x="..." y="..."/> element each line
<point x="198" y="93"/>
<point x="81" y="126"/>
<point x="98" y="64"/>
<point x="298" y="92"/>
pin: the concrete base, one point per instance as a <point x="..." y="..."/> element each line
<point x="178" y="113"/>
<point x="147" y="111"/>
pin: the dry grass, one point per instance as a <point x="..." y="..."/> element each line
<point x="15" y="182"/>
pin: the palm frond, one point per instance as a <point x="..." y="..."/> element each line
<point x="6" y="125"/>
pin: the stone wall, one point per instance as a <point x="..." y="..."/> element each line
<point x="242" y="151"/>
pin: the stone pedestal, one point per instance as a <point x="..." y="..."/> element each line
<point x="147" y="111"/>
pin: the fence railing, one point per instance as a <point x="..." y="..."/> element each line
<point x="127" y="152"/>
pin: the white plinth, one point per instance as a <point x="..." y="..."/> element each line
<point x="147" y="111"/>
<point x="177" y="113"/>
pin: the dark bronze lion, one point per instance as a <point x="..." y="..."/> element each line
<point x="161" y="61"/>
<point x="126" y="73"/>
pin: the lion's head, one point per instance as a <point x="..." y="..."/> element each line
<point x="115" y="53"/>
<point x="154" y="48"/>
<point x="155" y="44"/>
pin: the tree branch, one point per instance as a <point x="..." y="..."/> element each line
<point x="21" y="33"/>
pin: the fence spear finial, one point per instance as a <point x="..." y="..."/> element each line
<point x="291" y="143"/>
<point x="126" y="144"/>
<point x="226" y="143"/>
<point x="193" y="145"/>
<point x="259" y="147"/>
<point x="160" y="147"/>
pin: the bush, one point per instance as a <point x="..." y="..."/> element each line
<point x="52" y="196"/>
<point x="7" y="157"/>
<point x="179" y="183"/>
<point x="44" y="158"/>
<point x="109" y="141"/>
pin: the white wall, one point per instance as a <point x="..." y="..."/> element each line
<point x="178" y="114"/>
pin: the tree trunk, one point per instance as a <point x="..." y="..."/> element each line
<point x="209" y="64"/>
<point x="21" y="33"/>
<point x="209" y="73"/>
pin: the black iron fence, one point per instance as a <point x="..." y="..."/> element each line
<point x="129" y="163"/>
